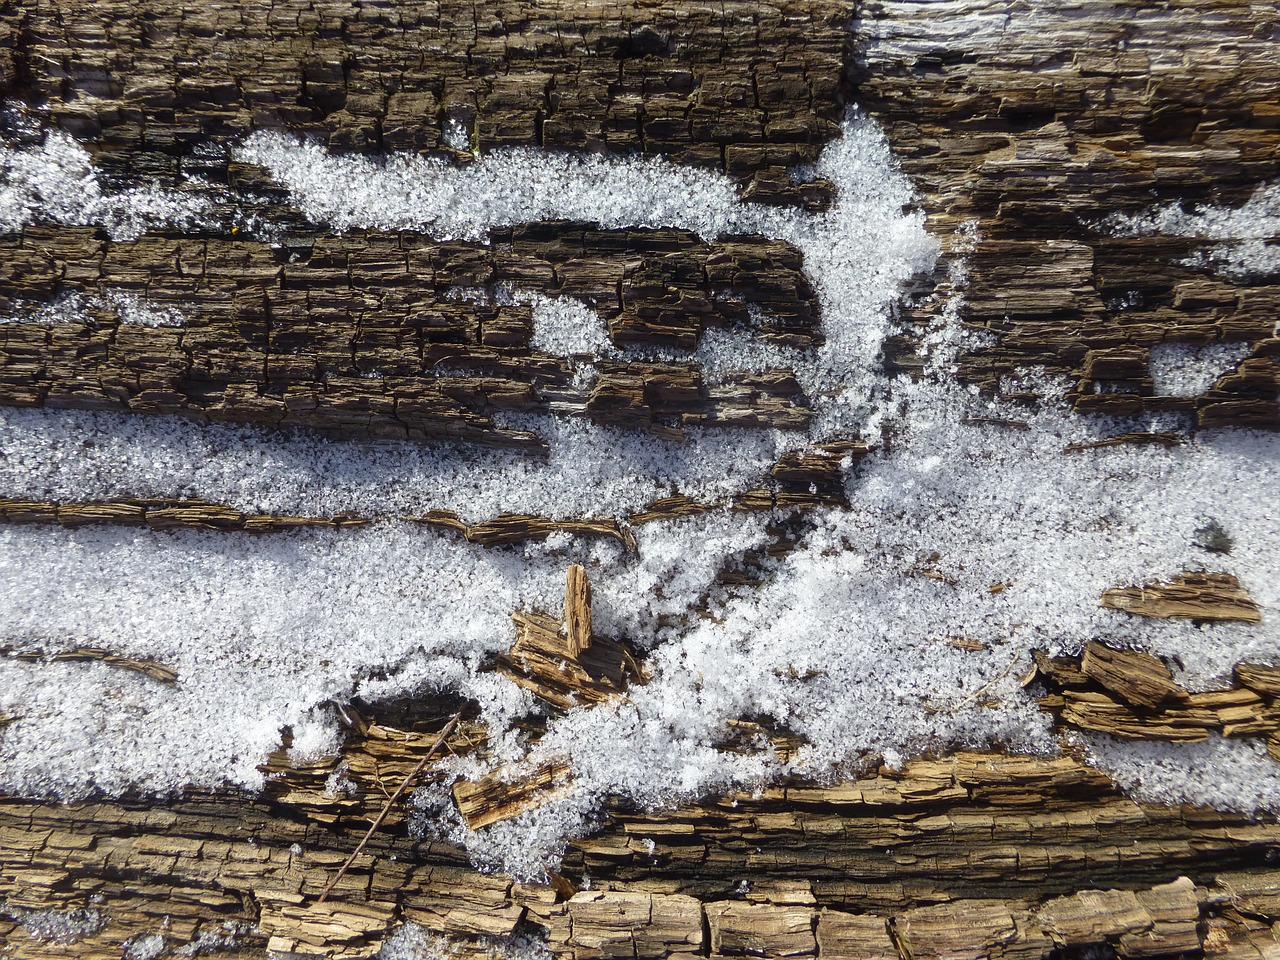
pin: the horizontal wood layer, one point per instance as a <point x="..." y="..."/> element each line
<point x="978" y="849"/>
<point x="395" y="336"/>
<point x="745" y="87"/>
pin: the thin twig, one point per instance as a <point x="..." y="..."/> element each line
<point x="386" y="808"/>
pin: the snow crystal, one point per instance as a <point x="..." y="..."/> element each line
<point x="60" y="926"/>
<point x="230" y="936"/>
<point x="148" y="946"/>
<point x="1181" y="370"/>
<point x="413" y="942"/>
<point x="1237" y="774"/>
<point x="565" y="326"/>
<point x="77" y="308"/>
<point x="1249" y="235"/>
<point x="56" y="181"/>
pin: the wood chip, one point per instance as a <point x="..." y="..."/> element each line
<point x="1136" y="677"/>
<point x="1194" y="596"/>
<point x="577" y="610"/>
<point x="509" y="791"/>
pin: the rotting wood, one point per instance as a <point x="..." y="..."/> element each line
<point x="1150" y="104"/>
<point x="1149" y="438"/>
<point x="978" y="836"/>
<point x="509" y="791"/>
<point x="1036" y="149"/>
<point x="1189" y="595"/>
<point x="1133" y="695"/>
<point x="161" y="513"/>
<point x="1137" y="677"/>
<point x="391" y="799"/>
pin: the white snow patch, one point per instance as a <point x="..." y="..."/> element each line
<point x="1182" y="370"/>
<point x="56" y="181"/>
<point x="148" y="946"/>
<point x="77" y="308"/>
<point x="413" y="942"/>
<point x="1237" y="774"/>
<point x="59" y="926"/>
<point x="1249" y="235"/>
<point x="565" y="326"/>
<point x="846" y="642"/>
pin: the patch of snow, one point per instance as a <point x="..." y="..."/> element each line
<point x="230" y="936"/>
<point x="1238" y="774"/>
<point x="148" y="946"/>
<point x="456" y="134"/>
<point x="1182" y="370"/>
<point x="1248" y="235"/>
<point x="77" y="308"/>
<point x="565" y="326"/>
<point x="845" y="642"/>
<point x="60" y="926"/>
<point x="413" y="942"/>
<point x="56" y="182"/>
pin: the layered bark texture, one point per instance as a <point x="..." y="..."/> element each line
<point x="1027" y="131"/>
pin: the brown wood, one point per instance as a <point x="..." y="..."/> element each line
<point x="1057" y="116"/>
<point x="1192" y="596"/>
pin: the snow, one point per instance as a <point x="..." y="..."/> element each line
<point x="1238" y="774"/>
<point x="77" y="308"/>
<point x="413" y="942"/>
<point x="845" y="642"/>
<point x="58" y="926"/>
<point x="565" y="326"/>
<point x="148" y="946"/>
<point x="1248" y="236"/>
<point x="1182" y="370"/>
<point x="57" y="182"/>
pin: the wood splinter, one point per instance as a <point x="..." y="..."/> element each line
<point x="560" y="661"/>
<point x="1188" y="595"/>
<point x="577" y="609"/>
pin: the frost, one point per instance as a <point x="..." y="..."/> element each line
<point x="148" y="946"/>
<point x="78" y="308"/>
<point x="413" y="942"/>
<point x="1181" y="370"/>
<point x="57" y="182"/>
<point x="1237" y="774"/>
<point x="564" y="326"/>
<point x="1249" y="235"/>
<point x="230" y="936"/>
<point x="456" y="134"/>
<point x="60" y="926"/>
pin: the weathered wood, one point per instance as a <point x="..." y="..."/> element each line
<point x="148" y="668"/>
<point x="979" y="853"/>
<point x="1192" y="596"/>
<point x="1035" y="125"/>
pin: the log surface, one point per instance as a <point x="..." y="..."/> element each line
<point x="1027" y="127"/>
